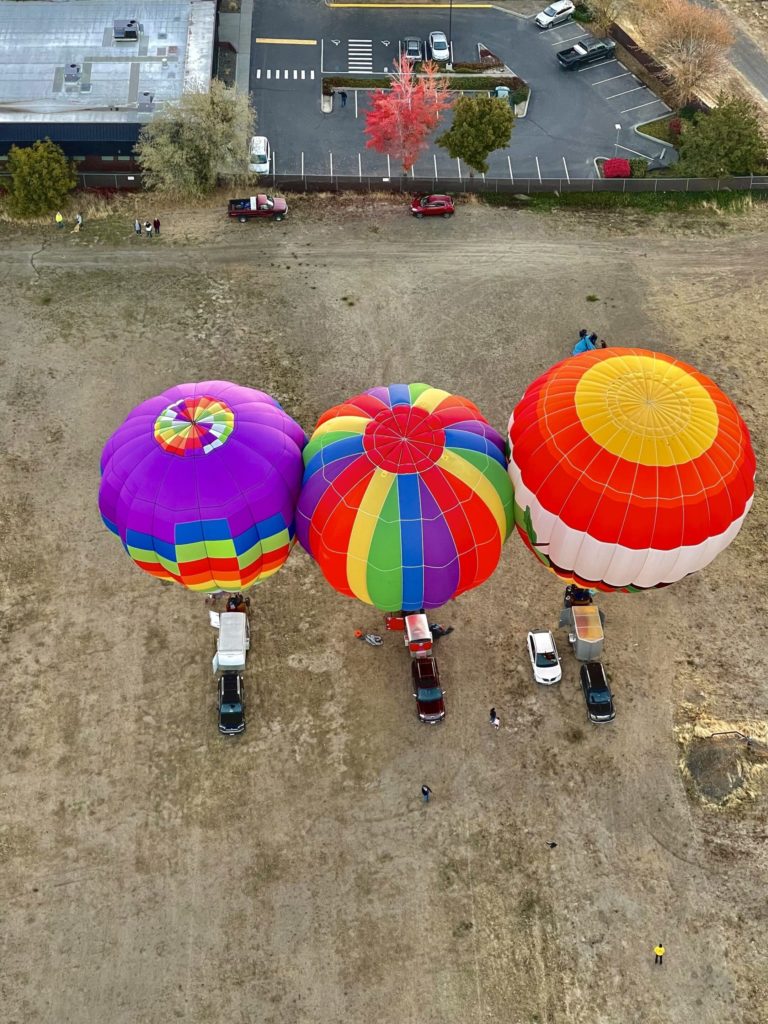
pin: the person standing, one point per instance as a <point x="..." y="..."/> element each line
<point x="343" y="96"/>
<point x="494" y="719"/>
<point x="78" y="221"/>
<point x="137" y="226"/>
<point x="59" y="219"/>
<point x="156" y="225"/>
<point x="148" y="228"/>
<point x="426" y="793"/>
<point x="659" y="952"/>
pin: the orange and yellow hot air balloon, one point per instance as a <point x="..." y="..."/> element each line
<point x="630" y="468"/>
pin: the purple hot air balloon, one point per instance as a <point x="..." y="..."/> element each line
<point x="201" y="482"/>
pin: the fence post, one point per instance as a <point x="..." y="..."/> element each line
<point x="687" y="184"/>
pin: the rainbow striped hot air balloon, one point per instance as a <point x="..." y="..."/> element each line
<point x="630" y="469"/>
<point x="200" y="484"/>
<point x="406" y="502"/>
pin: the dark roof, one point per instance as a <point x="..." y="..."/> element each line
<point x="26" y="133"/>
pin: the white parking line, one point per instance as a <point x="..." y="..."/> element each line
<point x="629" y="150"/>
<point x="269" y="73"/>
<point x="570" y="39"/>
<point x="613" y="79"/>
<point x="538" y="169"/>
<point x="303" y="73"/>
<point x="511" y="175"/>
<point x="565" y="165"/>
<point x="258" y="73"/>
<point x="600" y="64"/>
<point x="625" y="93"/>
<point x="295" y="74"/>
<point x="648" y="104"/>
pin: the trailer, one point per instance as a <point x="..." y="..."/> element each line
<point x="232" y="643"/>
<point x="585" y="630"/>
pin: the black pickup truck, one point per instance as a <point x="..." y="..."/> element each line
<point x="581" y="54"/>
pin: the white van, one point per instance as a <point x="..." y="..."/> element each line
<point x="259" y="155"/>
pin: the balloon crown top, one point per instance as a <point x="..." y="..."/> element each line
<point x="404" y="439"/>
<point x="194" y="426"/>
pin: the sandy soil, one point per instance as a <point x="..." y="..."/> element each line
<point x="151" y="871"/>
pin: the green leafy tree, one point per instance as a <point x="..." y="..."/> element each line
<point x="480" y="125"/>
<point x="728" y="140"/>
<point x="41" y="178"/>
<point x="189" y="146"/>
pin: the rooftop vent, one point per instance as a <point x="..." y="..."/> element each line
<point x="72" y="73"/>
<point x="146" y="101"/>
<point x="126" y="31"/>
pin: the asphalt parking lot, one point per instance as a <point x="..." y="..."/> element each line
<point x="573" y="117"/>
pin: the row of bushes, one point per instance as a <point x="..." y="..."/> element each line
<point x="457" y="83"/>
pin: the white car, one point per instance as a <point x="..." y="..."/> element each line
<point x="555" y="14"/>
<point x="259" y="155"/>
<point x="438" y="46"/>
<point x="544" y="657"/>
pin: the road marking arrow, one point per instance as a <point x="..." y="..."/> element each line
<point x="335" y="42"/>
<point x="385" y="42"/>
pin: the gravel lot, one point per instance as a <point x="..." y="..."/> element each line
<point x="152" y="871"/>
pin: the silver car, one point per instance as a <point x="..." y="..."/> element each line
<point x="555" y="14"/>
<point x="438" y="47"/>
<point x="412" y="48"/>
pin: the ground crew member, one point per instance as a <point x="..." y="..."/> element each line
<point x="659" y="952"/>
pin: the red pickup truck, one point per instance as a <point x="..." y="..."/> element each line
<point x="274" y="207"/>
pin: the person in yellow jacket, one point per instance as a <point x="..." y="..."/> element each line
<point x="59" y="219"/>
<point x="659" y="952"/>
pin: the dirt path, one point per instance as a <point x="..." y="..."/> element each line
<point x="150" y="871"/>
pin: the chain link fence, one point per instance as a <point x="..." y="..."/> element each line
<point x="456" y="186"/>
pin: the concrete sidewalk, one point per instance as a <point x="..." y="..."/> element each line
<point x="237" y="30"/>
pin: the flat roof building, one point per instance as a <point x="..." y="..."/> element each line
<point x="89" y="73"/>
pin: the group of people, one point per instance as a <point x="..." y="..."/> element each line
<point x="587" y="342"/>
<point x="150" y="227"/>
<point x="59" y="218"/>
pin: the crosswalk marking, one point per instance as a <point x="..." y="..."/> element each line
<point x="360" y="54"/>
<point x="281" y="73"/>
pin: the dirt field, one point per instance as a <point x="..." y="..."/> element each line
<point x="151" y="871"/>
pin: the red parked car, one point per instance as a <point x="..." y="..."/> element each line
<point x="432" y="206"/>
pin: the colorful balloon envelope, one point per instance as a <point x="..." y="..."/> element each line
<point x="406" y="501"/>
<point x="200" y="484"/>
<point x="630" y="469"/>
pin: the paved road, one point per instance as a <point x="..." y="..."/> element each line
<point x="746" y="55"/>
<point x="571" y="118"/>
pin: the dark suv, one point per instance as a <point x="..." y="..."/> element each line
<point x="597" y="692"/>
<point x="231" y="704"/>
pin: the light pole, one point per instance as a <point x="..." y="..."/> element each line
<point x="450" y="33"/>
<point x="616" y="147"/>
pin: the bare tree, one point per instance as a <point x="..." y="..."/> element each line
<point x="190" y="145"/>
<point x="604" y="13"/>
<point x="692" y="42"/>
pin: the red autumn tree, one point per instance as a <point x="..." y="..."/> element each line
<point x="401" y="119"/>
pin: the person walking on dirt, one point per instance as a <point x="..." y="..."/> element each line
<point x="156" y="225"/>
<point x="148" y="228"/>
<point x="426" y="793"/>
<point x="137" y="226"/>
<point x="659" y="952"/>
<point x="59" y="219"/>
<point x="494" y="719"/>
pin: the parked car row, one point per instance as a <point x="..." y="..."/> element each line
<point x="437" y="48"/>
<point x="586" y="639"/>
